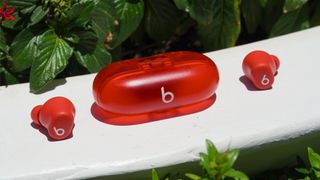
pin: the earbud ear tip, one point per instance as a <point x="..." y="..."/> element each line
<point x="276" y="60"/>
<point x="35" y="114"/>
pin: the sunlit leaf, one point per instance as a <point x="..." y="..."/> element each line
<point x="53" y="57"/>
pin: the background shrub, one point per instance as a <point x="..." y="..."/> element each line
<point x="44" y="39"/>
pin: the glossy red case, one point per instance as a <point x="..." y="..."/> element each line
<point x="146" y="89"/>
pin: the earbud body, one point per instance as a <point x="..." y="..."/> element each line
<point x="260" y="67"/>
<point x="56" y="115"/>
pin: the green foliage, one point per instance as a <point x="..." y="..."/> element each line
<point x="252" y="13"/>
<point x="297" y="18"/>
<point x="54" y="53"/>
<point x="155" y="175"/>
<point x="92" y="33"/>
<point x="312" y="172"/>
<point x="216" y="166"/>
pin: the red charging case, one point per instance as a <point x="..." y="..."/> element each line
<point x="141" y="90"/>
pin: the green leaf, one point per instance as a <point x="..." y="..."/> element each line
<point x="155" y="175"/>
<point x="114" y="21"/>
<point x="182" y="4"/>
<point x="130" y="13"/>
<point x="88" y="40"/>
<point x="237" y="175"/>
<point x="292" y="21"/>
<point x="9" y="78"/>
<point x="104" y="19"/>
<point x="291" y="5"/>
<point x="37" y="15"/>
<point x="24" y="49"/>
<point x="53" y="57"/>
<point x="22" y="4"/>
<point x="201" y="11"/>
<point x="314" y="158"/>
<point x="252" y="14"/>
<point x="271" y="13"/>
<point x="96" y="61"/>
<point x="212" y="150"/>
<point x="78" y="15"/>
<point x="161" y="19"/>
<point x="303" y="170"/>
<point x="3" y="44"/>
<point x="205" y="161"/>
<point x="307" y="178"/>
<point x="317" y="173"/>
<point x="193" y="176"/>
<point x="224" y="29"/>
<point x="232" y="156"/>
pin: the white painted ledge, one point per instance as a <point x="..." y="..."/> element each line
<point x="239" y="118"/>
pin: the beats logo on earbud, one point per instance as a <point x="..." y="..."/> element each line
<point x="260" y="67"/>
<point x="56" y="115"/>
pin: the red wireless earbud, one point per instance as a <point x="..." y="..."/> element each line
<point x="56" y="115"/>
<point x="260" y="67"/>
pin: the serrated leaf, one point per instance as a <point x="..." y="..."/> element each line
<point x="53" y="57"/>
<point x="8" y="77"/>
<point x="292" y="21"/>
<point x="3" y="44"/>
<point x="224" y="29"/>
<point x="252" y="13"/>
<point x="237" y="175"/>
<point x="161" y="19"/>
<point x="314" y="158"/>
<point x="24" y="49"/>
<point x="96" y="61"/>
<point x="291" y="5"/>
<point x="37" y="15"/>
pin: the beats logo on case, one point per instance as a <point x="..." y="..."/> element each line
<point x="56" y="115"/>
<point x="260" y="67"/>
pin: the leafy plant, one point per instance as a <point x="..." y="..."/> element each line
<point x="52" y="33"/>
<point x="44" y="39"/>
<point x="216" y="166"/>
<point x="155" y="175"/>
<point x="312" y="172"/>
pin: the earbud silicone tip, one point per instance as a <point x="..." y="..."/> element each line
<point x="35" y="114"/>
